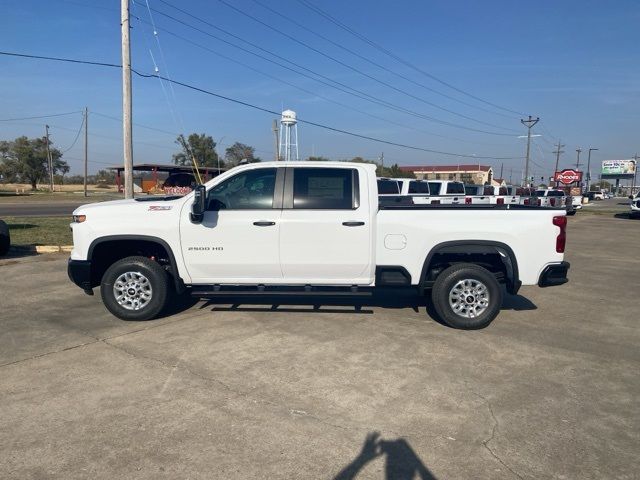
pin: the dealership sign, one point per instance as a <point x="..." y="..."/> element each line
<point x="568" y="176"/>
<point x="618" y="168"/>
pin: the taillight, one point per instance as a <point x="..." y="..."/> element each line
<point x="552" y="201"/>
<point x="435" y="202"/>
<point x="500" y="201"/>
<point x="467" y="200"/>
<point x="561" y="239"/>
<point x="539" y="202"/>
<point x="526" y="201"/>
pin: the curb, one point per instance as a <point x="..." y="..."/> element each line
<point x="43" y="248"/>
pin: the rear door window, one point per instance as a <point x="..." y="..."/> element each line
<point x="325" y="188"/>
<point x="434" y="188"/>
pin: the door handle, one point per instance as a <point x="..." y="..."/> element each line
<point x="264" y="223"/>
<point x="353" y="224"/>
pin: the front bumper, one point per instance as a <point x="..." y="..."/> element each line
<point x="79" y="272"/>
<point x="555" y="274"/>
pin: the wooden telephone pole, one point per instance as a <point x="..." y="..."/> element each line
<point x="127" y="132"/>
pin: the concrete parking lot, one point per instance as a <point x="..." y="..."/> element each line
<point x="549" y="390"/>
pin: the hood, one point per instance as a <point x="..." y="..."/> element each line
<point x="129" y="206"/>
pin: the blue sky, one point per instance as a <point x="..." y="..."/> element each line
<point x="573" y="63"/>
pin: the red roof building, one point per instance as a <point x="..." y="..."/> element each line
<point x="467" y="173"/>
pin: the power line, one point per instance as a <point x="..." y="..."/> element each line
<point x="372" y="62"/>
<point x="320" y="125"/>
<point x="349" y="107"/>
<point x="387" y="52"/>
<point x="135" y="124"/>
<point x="351" y="67"/>
<point x="262" y="109"/>
<point x="351" y="90"/>
<point x="77" y="136"/>
<point x="354" y="69"/>
<point x="39" y="116"/>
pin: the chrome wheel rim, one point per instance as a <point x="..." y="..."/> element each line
<point x="132" y="291"/>
<point x="469" y="298"/>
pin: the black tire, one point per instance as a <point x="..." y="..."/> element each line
<point x="5" y="238"/>
<point x="478" y="277"/>
<point x="148" y="286"/>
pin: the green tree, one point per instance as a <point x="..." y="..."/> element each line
<point x="201" y="146"/>
<point x="239" y="152"/>
<point x="394" y="172"/>
<point x="317" y="159"/>
<point x="105" y="176"/>
<point x="25" y="160"/>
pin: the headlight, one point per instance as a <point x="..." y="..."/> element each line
<point x="79" y="218"/>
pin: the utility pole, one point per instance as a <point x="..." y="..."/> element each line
<point x="529" y="124"/>
<point x="274" y="127"/>
<point x="127" y="132"/>
<point x="49" y="159"/>
<point x="501" y="168"/>
<point x="86" y="147"/>
<point x="511" y="176"/>
<point x="578" y="150"/>
<point x="589" y="170"/>
<point x="382" y="164"/>
<point x="558" y="151"/>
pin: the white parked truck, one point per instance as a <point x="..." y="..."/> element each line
<point x="306" y="229"/>
<point x="634" y="205"/>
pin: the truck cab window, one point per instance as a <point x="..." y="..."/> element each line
<point x="250" y="190"/>
<point x="455" y="188"/>
<point x="325" y="188"/>
<point x="416" y="186"/>
<point x="388" y="187"/>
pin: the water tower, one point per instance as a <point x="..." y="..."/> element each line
<point x="288" y="136"/>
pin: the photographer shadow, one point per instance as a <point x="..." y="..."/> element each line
<point x="402" y="463"/>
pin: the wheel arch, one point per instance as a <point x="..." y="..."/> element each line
<point x="130" y="245"/>
<point x="474" y="247"/>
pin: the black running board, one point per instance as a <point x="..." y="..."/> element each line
<point x="229" y="291"/>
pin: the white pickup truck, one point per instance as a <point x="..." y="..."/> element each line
<point x="308" y="230"/>
<point x="634" y="205"/>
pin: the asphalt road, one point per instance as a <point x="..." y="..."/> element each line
<point x="37" y="209"/>
<point x="549" y="390"/>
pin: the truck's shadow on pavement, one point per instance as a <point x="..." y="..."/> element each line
<point x="391" y="299"/>
<point x="401" y="462"/>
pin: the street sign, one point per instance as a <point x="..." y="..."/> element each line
<point x="568" y="176"/>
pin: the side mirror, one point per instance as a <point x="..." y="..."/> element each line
<point x="199" y="204"/>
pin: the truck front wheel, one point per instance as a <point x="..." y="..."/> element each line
<point x="134" y="288"/>
<point x="466" y="296"/>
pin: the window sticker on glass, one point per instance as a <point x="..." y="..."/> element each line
<point x="326" y="187"/>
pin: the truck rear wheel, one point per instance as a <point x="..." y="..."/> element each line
<point x="134" y="288"/>
<point x="466" y="296"/>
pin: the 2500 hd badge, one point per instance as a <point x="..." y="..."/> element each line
<point x="195" y="249"/>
